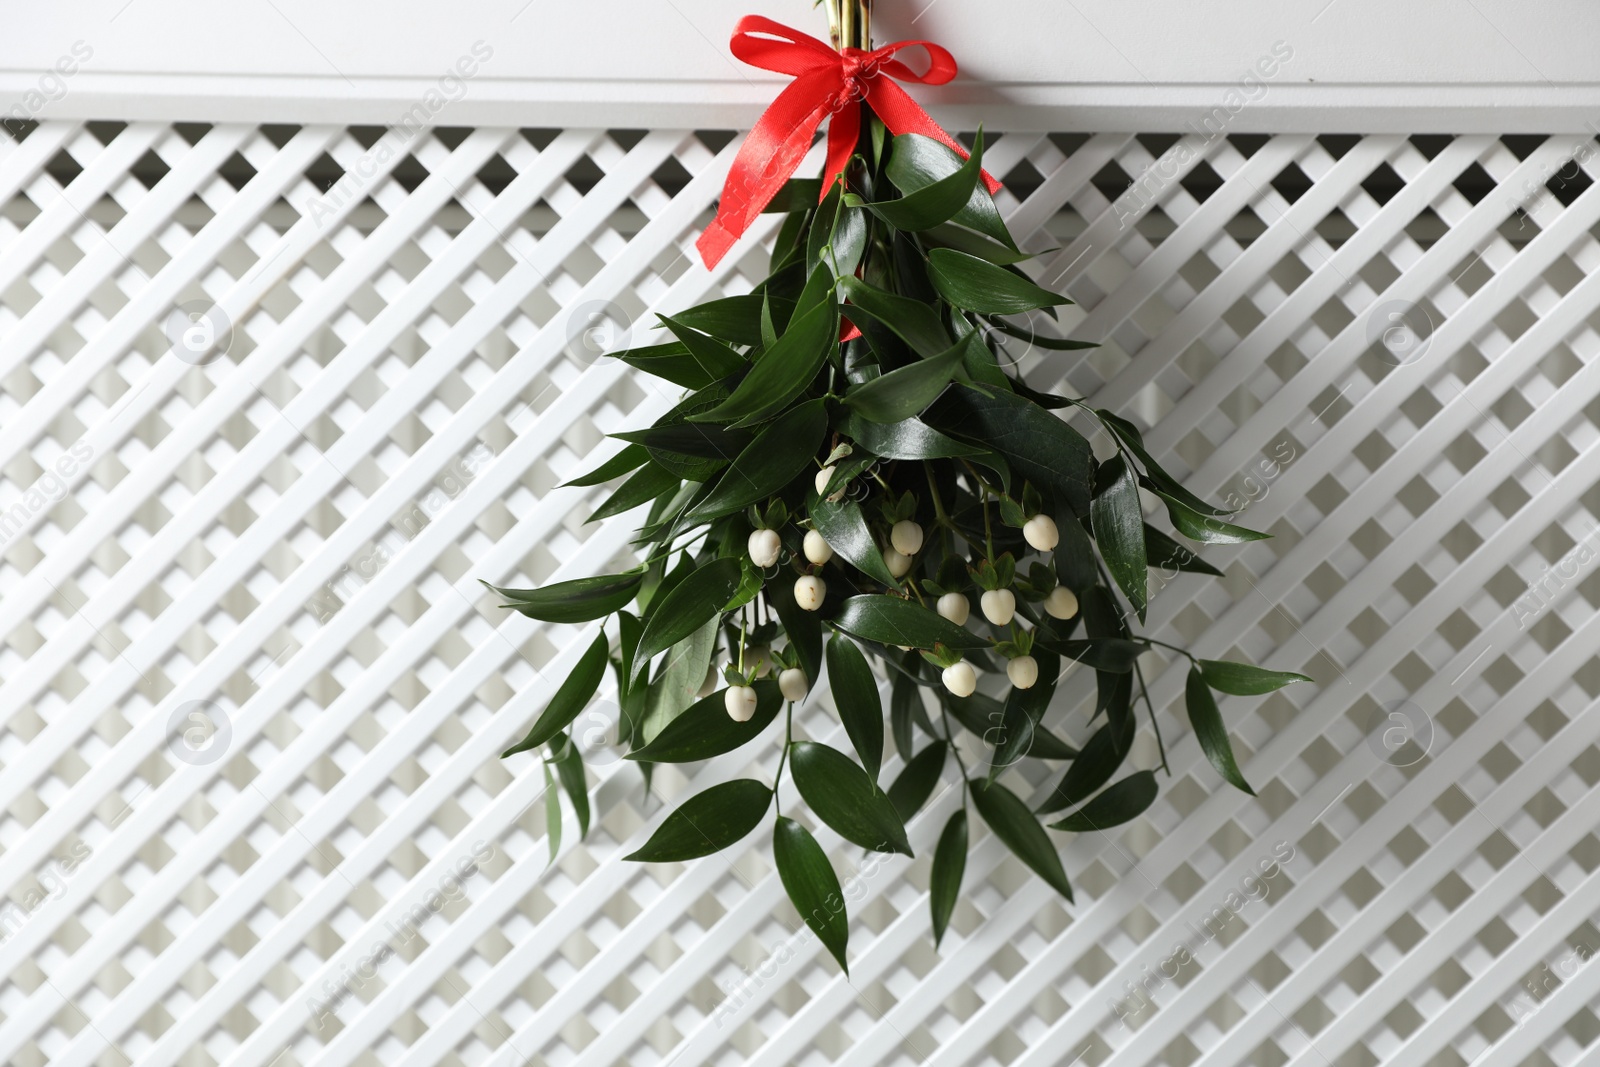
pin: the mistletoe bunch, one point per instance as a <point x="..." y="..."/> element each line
<point x="854" y="468"/>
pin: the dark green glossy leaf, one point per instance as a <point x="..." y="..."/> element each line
<point x="1124" y="801"/>
<point x="950" y="235"/>
<point x="888" y="620"/>
<point x="706" y="730"/>
<point x="949" y="864"/>
<point x="1039" y="340"/>
<point x="1209" y="731"/>
<point x="1022" y="712"/>
<point x="843" y="797"/>
<point x="576" y="690"/>
<point x="579" y="600"/>
<point x="671" y="362"/>
<point x="735" y="319"/>
<point x="1159" y="478"/>
<point x="1040" y="447"/>
<point x="845" y="529"/>
<point x="917" y="162"/>
<point x="1164" y="552"/>
<point x="906" y="439"/>
<point x="630" y="457"/>
<point x="1104" y="752"/>
<point x="1114" y="654"/>
<point x="855" y="695"/>
<point x="971" y="283"/>
<point x="681" y="612"/>
<point x="1015" y="825"/>
<point x="916" y="323"/>
<point x="905" y="709"/>
<point x="797" y="194"/>
<point x="1076" y="566"/>
<point x="647" y="483"/>
<point x="782" y="372"/>
<point x="1241" y="679"/>
<point x="1119" y="530"/>
<point x="938" y="201"/>
<point x="779" y="453"/>
<point x="917" y="780"/>
<point x="569" y="769"/>
<point x="812" y="886"/>
<point x="707" y="822"/>
<point x="1204" y="528"/>
<point x="905" y="391"/>
<point x="682" y="674"/>
<point x="714" y="357"/>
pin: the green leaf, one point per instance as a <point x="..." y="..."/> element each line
<point x="1209" y="731"/>
<point x="1203" y="528"/>
<point x="803" y="628"/>
<point x="1039" y="340"/>
<point x="576" y="690"/>
<point x="855" y="694"/>
<point x="1104" y="752"/>
<point x="784" y="448"/>
<point x="888" y="620"/>
<point x="812" y="886"/>
<point x="916" y="323"/>
<point x="949" y="864"/>
<point x="905" y="706"/>
<point x="1119" y="530"/>
<point x="705" y="730"/>
<point x="682" y="674"/>
<point x="906" y="439"/>
<point x="935" y="202"/>
<point x="1041" y="448"/>
<point x="1244" y="680"/>
<point x="782" y="372"/>
<point x="905" y="391"/>
<point x="735" y="319"/>
<point x="1114" y="654"/>
<point x="971" y="283"/>
<point x="1015" y="825"/>
<point x="1076" y="566"/>
<point x="671" y="362"/>
<point x="552" y="812"/>
<point x="630" y="457"/>
<point x="647" y="483"/>
<point x="845" y="529"/>
<point x="1164" y="552"/>
<point x="797" y="194"/>
<point x="1124" y="801"/>
<point x="1022" y="712"/>
<point x="1159" y="479"/>
<point x="917" y="162"/>
<point x="707" y="822"/>
<point x="715" y="358"/>
<point x="917" y="780"/>
<point x="950" y="235"/>
<point x="686" y="608"/>
<point x="580" y="600"/>
<point x="843" y="797"/>
<point x="569" y="769"/>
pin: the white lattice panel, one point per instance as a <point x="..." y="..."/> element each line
<point x="253" y="694"/>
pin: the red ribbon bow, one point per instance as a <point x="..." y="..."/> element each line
<point x="825" y="83"/>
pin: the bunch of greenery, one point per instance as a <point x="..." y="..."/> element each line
<point x="857" y="474"/>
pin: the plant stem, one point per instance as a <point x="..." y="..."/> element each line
<point x="788" y="739"/>
<point x="1151" y="708"/>
<point x="955" y="750"/>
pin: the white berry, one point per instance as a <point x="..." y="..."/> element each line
<point x="793" y="684"/>
<point x="960" y="679"/>
<point x="816" y="548"/>
<point x="906" y="537"/>
<point x="740" y="700"/>
<point x="809" y="591"/>
<point x="1023" y="672"/>
<point x="1062" y="603"/>
<point x="955" y="607"/>
<point x="758" y="661"/>
<point x="999" y="605"/>
<point x="897" y="562"/>
<point x="823" y="477"/>
<point x="1040" y="532"/>
<point x="764" y="546"/>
